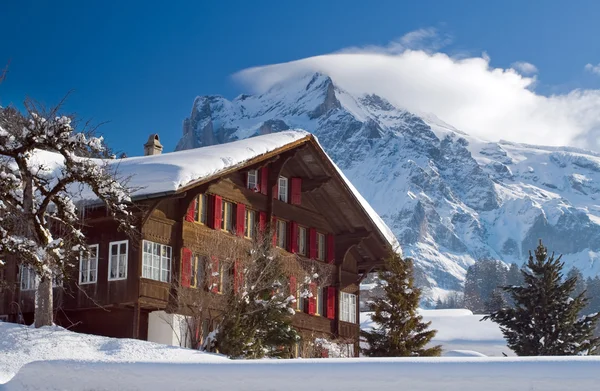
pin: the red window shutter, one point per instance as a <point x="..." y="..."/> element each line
<point x="331" y="302"/>
<point x="312" y="243"/>
<point x="186" y="267"/>
<point x="241" y="219"/>
<point x="264" y="179"/>
<point x="214" y="274"/>
<point x="296" y="191"/>
<point x="191" y="212"/>
<point x="312" y="301"/>
<point x="330" y="248"/>
<point x="217" y="210"/>
<point x="262" y="222"/>
<point x="293" y="237"/>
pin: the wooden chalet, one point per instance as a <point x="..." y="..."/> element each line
<point x="217" y="194"/>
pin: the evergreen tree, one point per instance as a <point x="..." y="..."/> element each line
<point x="544" y="320"/>
<point x="472" y="295"/>
<point x="401" y="330"/>
<point x="514" y="276"/>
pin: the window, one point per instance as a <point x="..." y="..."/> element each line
<point x="252" y="182"/>
<point x="282" y="190"/>
<point x="156" y="261"/>
<point x="348" y="307"/>
<point x="117" y="260"/>
<point x="301" y="240"/>
<point x="320" y="246"/>
<point x="200" y="214"/>
<point x="29" y="280"/>
<point x="250" y="224"/>
<point x="320" y="301"/>
<point x="197" y="277"/>
<point x="227" y="216"/>
<point x="281" y="233"/>
<point x="88" y="266"/>
<point x="300" y="300"/>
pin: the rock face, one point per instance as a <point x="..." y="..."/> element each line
<point x="451" y="199"/>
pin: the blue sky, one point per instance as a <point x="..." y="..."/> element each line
<point x="139" y="65"/>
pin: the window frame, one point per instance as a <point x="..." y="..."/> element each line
<point x="250" y="227"/>
<point x="32" y="284"/>
<point x="227" y="216"/>
<point x="347" y="309"/>
<point x="162" y="249"/>
<point x="283" y="184"/>
<point x="302" y="244"/>
<point x="118" y="243"/>
<point x="320" y="307"/>
<point x="300" y="301"/>
<point x="88" y="260"/>
<point x="198" y="271"/>
<point x="201" y="212"/>
<point x="281" y="241"/>
<point x="256" y="184"/>
<point x="321" y="246"/>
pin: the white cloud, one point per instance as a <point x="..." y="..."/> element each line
<point x="524" y="68"/>
<point x="425" y="39"/>
<point x="593" y="68"/>
<point x="490" y="103"/>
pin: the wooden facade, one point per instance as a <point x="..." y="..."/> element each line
<point x="318" y="200"/>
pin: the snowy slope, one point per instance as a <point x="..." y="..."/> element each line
<point x="451" y="199"/>
<point x="20" y="345"/>
<point x="460" y="333"/>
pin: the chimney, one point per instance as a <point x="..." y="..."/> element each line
<point x="153" y="146"/>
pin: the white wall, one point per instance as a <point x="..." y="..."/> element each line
<point x="168" y="329"/>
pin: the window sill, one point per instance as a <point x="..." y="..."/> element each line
<point x="87" y="283"/>
<point x="118" y="279"/>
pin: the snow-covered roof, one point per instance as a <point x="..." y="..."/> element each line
<point x="169" y="172"/>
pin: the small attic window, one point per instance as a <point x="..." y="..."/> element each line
<point x="252" y="180"/>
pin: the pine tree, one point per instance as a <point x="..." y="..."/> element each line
<point x="400" y="329"/>
<point x="544" y="320"/>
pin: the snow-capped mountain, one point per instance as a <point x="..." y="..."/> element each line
<point x="451" y="199"/>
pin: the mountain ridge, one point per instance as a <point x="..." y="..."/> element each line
<point x="450" y="198"/>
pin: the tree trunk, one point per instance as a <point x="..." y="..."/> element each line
<point x="43" y="303"/>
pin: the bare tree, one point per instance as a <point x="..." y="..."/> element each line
<point x="242" y="287"/>
<point x="45" y="166"/>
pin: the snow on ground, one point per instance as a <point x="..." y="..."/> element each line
<point x="458" y="330"/>
<point x="20" y="345"/>
<point x="415" y="374"/>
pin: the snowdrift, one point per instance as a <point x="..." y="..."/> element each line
<point x="449" y="374"/>
<point x="20" y="345"/>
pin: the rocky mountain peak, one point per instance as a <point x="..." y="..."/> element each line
<point x="450" y="198"/>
